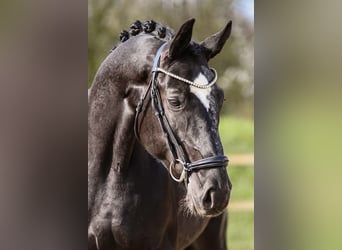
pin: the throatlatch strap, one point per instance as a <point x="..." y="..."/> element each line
<point x="178" y="152"/>
<point x="142" y="99"/>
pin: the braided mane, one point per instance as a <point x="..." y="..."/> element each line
<point x="147" y="27"/>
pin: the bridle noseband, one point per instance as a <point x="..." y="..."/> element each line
<point x="177" y="150"/>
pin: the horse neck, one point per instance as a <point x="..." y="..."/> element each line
<point x="117" y="88"/>
<point x="134" y="58"/>
<point x="137" y="67"/>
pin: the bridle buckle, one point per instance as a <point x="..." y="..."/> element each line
<point x="178" y="153"/>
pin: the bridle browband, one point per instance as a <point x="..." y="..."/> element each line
<point x="177" y="150"/>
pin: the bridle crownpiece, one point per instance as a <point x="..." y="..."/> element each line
<point x="177" y="150"/>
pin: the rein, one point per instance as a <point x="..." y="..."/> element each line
<point x="177" y="150"/>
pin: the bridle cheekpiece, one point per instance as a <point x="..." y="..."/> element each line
<point x="177" y="150"/>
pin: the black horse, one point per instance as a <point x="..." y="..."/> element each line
<point x="157" y="176"/>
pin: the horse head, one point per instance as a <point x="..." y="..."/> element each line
<point x="178" y="116"/>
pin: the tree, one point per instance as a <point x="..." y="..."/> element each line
<point x="235" y="64"/>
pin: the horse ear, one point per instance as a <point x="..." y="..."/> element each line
<point x="182" y="39"/>
<point x="215" y="43"/>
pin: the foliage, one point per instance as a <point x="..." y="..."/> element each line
<point x="234" y="64"/>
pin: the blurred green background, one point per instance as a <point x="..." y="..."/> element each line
<point x="235" y="67"/>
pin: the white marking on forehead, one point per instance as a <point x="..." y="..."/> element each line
<point x="201" y="79"/>
<point x="202" y="94"/>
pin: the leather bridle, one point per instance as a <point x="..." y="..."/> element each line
<point x="178" y="153"/>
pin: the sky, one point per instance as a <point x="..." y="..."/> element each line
<point x="247" y="7"/>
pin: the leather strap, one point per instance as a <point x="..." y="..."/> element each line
<point x="210" y="162"/>
<point x="176" y="148"/>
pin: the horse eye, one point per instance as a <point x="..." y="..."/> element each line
<point x="175" y="102"/>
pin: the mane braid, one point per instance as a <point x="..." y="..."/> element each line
<point x="150" y="27"/>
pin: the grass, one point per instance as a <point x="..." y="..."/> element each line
<point x="237" y="134"/>
<point x="242" y="179"/>
<point x="240" y="231"/>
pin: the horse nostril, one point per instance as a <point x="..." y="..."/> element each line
<point x="208" y="199"/>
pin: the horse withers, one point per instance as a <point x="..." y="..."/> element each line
<point x="157" y="174"/>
